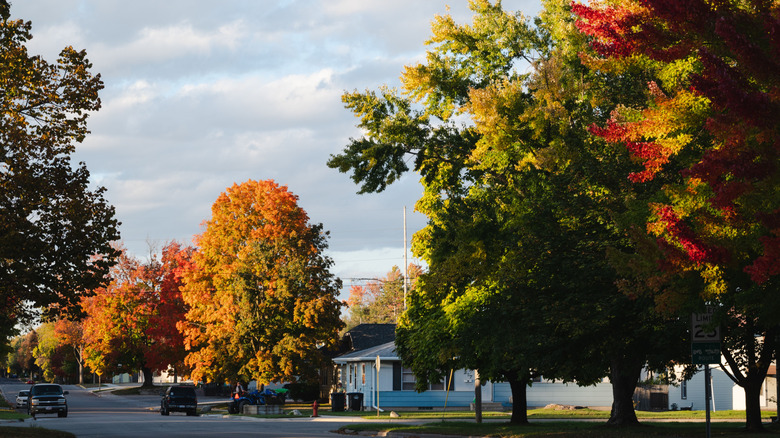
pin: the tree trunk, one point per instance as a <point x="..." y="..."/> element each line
<point x="519" y="401"/>
<point x="753" y="407"/>
<point x="624" y="375"/>
<point x="147" y="377"/>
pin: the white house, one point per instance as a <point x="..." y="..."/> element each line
<point x="726" y="395"/>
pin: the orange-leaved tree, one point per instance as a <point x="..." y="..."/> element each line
<point x="70" y="334"/>
<point x="131" y="324"/>
<point x="262" y="301"/>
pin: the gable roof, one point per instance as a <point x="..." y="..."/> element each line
<point x="384" y="351"/>
<point x="366" y="336"/>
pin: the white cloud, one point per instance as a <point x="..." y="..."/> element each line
<point x="202" y="94"/>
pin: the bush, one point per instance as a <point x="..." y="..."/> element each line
<point x="305" y="391"/>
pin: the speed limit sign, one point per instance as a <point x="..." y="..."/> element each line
<point x="702" y="329"/>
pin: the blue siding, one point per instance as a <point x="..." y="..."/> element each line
<point x="424" y="399"/>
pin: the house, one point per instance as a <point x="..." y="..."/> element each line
<point x="726" y="395"/>
<point x="391" y="385"/>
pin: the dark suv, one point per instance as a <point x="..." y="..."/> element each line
<point x="179" y="399"/>
<point x="47" y="398"/>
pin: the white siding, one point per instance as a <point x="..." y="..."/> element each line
<point x="722" y="396"/>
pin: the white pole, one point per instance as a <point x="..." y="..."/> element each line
<point x="406" y="265"/>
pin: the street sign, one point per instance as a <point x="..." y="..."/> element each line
<point x="705" y="338"/>
<point x="704" y="353"/>
<point x="702" y="329"/>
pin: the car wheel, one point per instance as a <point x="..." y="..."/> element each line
<point x="192" y="413"/>
<point x="163" y="411"/>
<point x="241" y="405"/>
<point x="232" y="408"/>
<point x="62" y="414"/>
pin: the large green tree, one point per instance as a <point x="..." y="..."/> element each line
<point x="524" y="207"/>
<point x="55" y="230"/>
<point x="262" y="300"/>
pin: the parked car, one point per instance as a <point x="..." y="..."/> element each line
<point x="179" y="399"/>
<point x="47" y="398"/>
<point x="21" y="398"/>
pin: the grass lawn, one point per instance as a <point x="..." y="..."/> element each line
<point x="558" y="414"/>
<point x="567" y="429"/>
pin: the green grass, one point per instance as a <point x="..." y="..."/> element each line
<point x="556" y="414"/>
<point x="566" y="430"/>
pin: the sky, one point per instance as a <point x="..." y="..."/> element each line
<point x="200" y="95"/>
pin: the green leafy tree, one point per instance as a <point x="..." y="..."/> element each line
<point x="54" y="230"/>
<point x="262" y="301"/>
<point x="523" y="206"/>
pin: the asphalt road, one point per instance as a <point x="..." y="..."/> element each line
<point x="109" y="415"/>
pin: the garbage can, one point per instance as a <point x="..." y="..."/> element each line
<point x="338" y="401"/>
<point x="355" y="401"/>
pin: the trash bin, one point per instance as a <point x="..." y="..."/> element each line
<point x="355" y="401"/>
<point x="338" y="401"/>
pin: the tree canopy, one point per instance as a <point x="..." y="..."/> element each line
<point x="524" y="207"/>
<point x="709" y="120"/>
<point x="262" y="300"/>
<point x="55" y="231"/>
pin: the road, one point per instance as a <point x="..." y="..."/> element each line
<point x="109" y="415"/>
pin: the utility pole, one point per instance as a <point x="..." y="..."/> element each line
<point x="406" y="265"/>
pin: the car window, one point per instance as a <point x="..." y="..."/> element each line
<point x="47" y="390"/>
<point x="24" y="393"/>
<point x="183" y="392"/>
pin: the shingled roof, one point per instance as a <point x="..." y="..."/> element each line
<point x="366" y="336"/>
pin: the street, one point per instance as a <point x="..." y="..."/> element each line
<point x="109" y="415"/>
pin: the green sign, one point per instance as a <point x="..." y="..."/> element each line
<point x="703" y="353"/>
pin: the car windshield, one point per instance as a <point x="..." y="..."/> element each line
<point x="183" y="392"/>
<point x="47" y="390"/>
<point x="24" y="393"/>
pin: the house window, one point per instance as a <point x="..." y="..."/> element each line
<point x="684" y="390"/>
<point x="408" y="382"/>
<point x="349" y="371"/>
<point x="363" y="373"/>
<point x="407" y="379"/>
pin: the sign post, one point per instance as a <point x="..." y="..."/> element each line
<point x="705" y="349"/>
<point x="378" y="363"/>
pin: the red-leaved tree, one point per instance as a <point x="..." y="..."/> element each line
<point x="711" y="121"/>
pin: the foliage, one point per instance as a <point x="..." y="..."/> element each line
<point x="131" y="324"/>
<point x="710" y="119"/>
<point x="54" y="230"/>
<point x="381" y="300"/>
<point x="262" y="300"/>
<point x="524" y="207"/>
<point x="70" y="336"/>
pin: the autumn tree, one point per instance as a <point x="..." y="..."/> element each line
<point x="55" y="230"/>
<point x="263" y="303"/>
<point x="381" y="300"/>
<point x="710" y="119"/>
<point x="132" y="321"/>
<point x="70" y="335"/>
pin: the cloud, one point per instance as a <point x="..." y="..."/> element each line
<point x="201" y="94"/>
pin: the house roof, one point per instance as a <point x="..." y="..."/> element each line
<point x="366" y="336"/>
<point x="385" y="351"/>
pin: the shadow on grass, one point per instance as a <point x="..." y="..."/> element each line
<point x="564" y="429"/>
